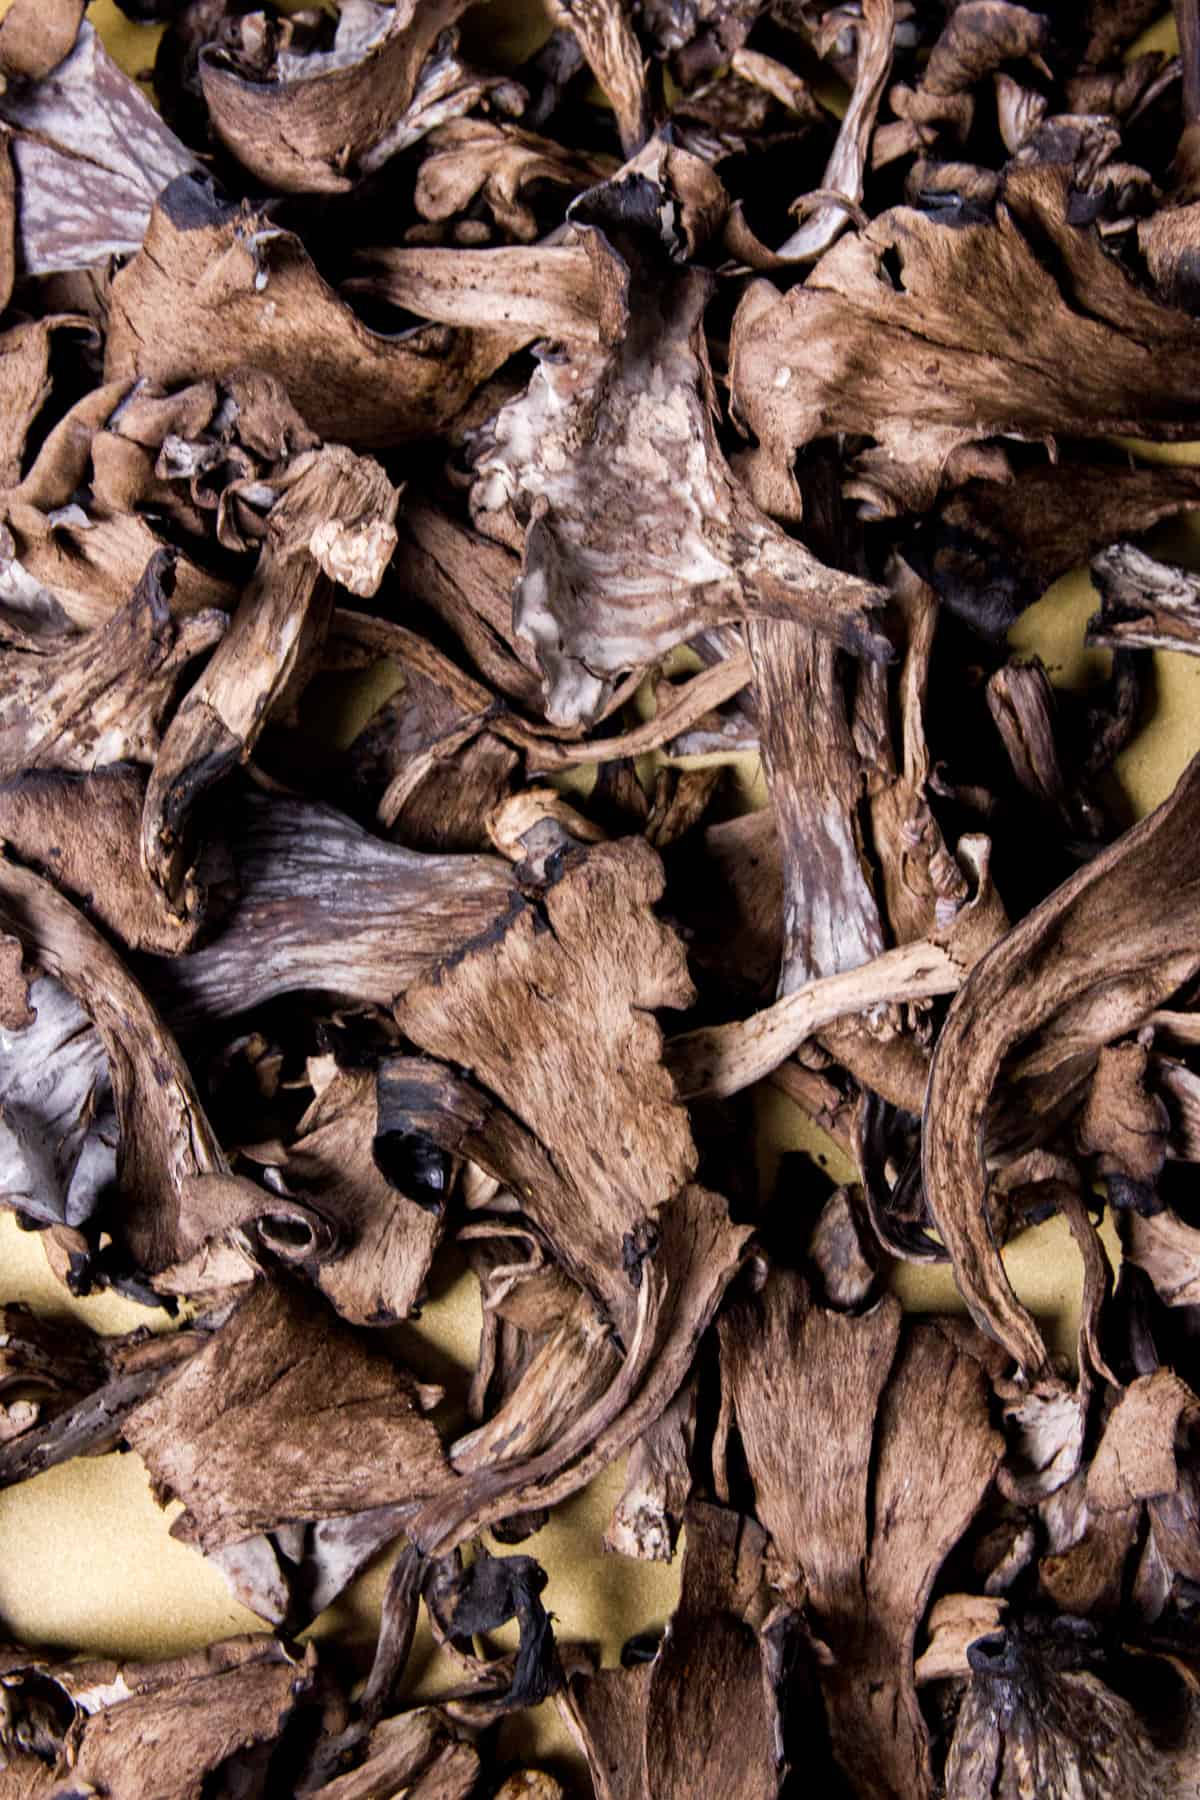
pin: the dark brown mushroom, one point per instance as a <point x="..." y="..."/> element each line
<point x="343" y="1422"/>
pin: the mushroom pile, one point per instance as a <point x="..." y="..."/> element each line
<point x="703" y="379"/>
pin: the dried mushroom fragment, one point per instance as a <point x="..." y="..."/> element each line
<point x="414" y="1753"/>
<point x="74" y="1390"/>
<point x="91" y="156"/>
<point x="804" y="1385"/>
<point x="647" y="1518"/>
<point x="553" y="1017"/>
<point x="954" y="1622"/>
<point x="1085" y="967"/>
<point x="994" y="547"/>
<point x="285" y="1416"/>
<point x="1037" y="1718"/>
<point x="859" y="1540"/>
<point x="711" y="1717"/>
<point x="636" y="533"/>
<point x="466" y="580"/>
<point x="290" y="1575"/>
<point x="158" y="1731"/>
<point x="1083" y="1569"/>
<point x="82" y="832"/>
<point x="1070" y="344"/>
<point x="702" y="1716"/>
<point x="100" y="698"/>
<point x="730" y="886"/>
<point x="180" y="1213"/>
<point x="105" y="492"/>
<point x="1123" y="1120"/>
<point x="936" y="1458"/>
<point x="310" y="118"/>
<point x="574" y="1362"/>
<point x="923" y="889"/>
<point x="443" y="772"/>
<point x="977" y="39"/>
<point x="33" y="41"/>
<point x="58" y="1125"/>
<point x="682" y="1281"/>
<point x="26" y="385"/>
<point x="501" y="166"/>
<point x="552" y="291"/>
<point x="830" y="208"/>
<point x="1168" y="1249"/>
<point x="337" y="942"/>
<point x="723" y="1059"/>
<point x="15" y="1011"/>
<point x="1144" y="604"/>
<point x="386" y="1240"/>
<point x="208" y="448"/>
<point x="214" y="289"/>
<point x="1136" y="1458"/>
<point x="1024" y="712"/>
<point x="331" y="522"/>
<point x="41" y="1370"/>
<point x="606" y="1715"/>
<point x="830" y="918"/>
<point x="605" y="35"/>
<point x="1167" y="240"/>
<point x="484" y="1596"/>
<point x="322" y="904"/>
<point x="65" y="567"/>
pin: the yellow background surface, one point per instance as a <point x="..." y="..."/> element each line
<point x="86" y="1557"/>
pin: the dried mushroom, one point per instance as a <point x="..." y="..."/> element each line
<point x="609" y="457"/>
<point x="331" y="522"/>
<point x="254" y="1385"/>
<point x="702" y="1715"/>
<point x="555" y="1018"/>
<point x="89" y="152"/>
<point x="1086" y="966"/>
<point x="303" y="117"/>
<point x="162" y="1731"/>
<point x="434" y="442"/>
<point x="101" y="697"/>
<point x="194" y="302"/>
<point x="321" y="903"/>
<point x="886" y="339"/>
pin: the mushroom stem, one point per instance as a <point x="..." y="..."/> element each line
<point x="1187" y="20"/>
